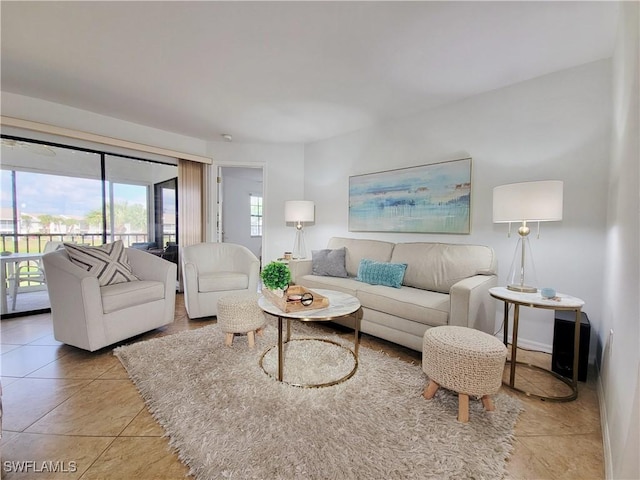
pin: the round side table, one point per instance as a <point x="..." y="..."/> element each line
<point x="535" y="300"/>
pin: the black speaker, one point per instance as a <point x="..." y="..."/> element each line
<point x="563" y="337"/>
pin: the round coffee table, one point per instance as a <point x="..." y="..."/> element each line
<point x="340" y="305"/>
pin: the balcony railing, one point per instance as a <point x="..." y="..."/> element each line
<point x="34" y="243"/>
<point x="36" y="298"/>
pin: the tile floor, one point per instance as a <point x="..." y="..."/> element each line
<point x="80" y="412"/>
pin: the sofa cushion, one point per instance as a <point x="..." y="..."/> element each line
<point x="329" y="262"/>
<point x="381" y="273"/>
<point x="357" y="249"/>
<point x="346" y="285"/>
<point x="108" y="262"/>
<point x="421" y="306"/>
<point x="124" y="295"/>
<point x="222" y="281"/>
<point x="438" y="266"/>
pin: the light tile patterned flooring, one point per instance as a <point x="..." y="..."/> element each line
<point x="79" y="409"/>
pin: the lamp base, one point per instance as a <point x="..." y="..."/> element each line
<point x="522" y="274"/>
<point x="299" y="250"/>
<point x="522" y="288"/>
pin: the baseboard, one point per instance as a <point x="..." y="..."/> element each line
<point x="604" y="425"/>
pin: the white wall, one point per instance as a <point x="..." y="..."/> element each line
<point x="283" y="180"/>
<point x="552" y="127"/>
<point x="620" y="359"/>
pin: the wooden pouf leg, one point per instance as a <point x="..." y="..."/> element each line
<point x="430" y="390"/>
<point x="463" y="408"/>
<point x="240" y="314"/>
<point x="488" y="403"/>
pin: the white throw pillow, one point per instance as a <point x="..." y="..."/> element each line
<point x="108" y="262"/>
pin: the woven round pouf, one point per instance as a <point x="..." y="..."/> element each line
<point x="467" y="361"/>
<point x="240" y="313"/>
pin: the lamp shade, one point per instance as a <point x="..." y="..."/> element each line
<point x="528" y="201"/>
<point x="299" y="211"/>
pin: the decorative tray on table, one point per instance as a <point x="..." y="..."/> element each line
<point x="292" y="301"/>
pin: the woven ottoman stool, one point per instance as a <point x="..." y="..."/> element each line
<point x="240" y="313"/>
<point x="467" y="361"/>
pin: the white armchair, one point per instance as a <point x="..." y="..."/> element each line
<point x="212" y="270"/>
<point x="90" y="317"/>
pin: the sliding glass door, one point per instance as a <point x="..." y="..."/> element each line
<point x="52" y="194"/>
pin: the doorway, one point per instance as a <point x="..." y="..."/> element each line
<point x="166" y="212"/>
<point x="240" y="206"/>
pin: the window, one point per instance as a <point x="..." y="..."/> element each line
<point x="61" y="193"/>
<point x="256" y="215"/>
<point x="127" y="212"/>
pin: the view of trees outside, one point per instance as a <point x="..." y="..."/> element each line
<point x="65" y="207"/>
<point x="129" y="208"/>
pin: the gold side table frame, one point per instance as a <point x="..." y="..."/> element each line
<point x="341" y="305"/>
<point x="535" y="300"/>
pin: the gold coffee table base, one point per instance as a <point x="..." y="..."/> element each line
<point x="341" y="305"/>
<point x="565" y="398"/>
<point x="313" y="385"/>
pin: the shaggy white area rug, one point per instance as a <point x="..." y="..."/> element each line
<point x="228" y="419"/>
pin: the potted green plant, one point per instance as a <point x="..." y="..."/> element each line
<point x="276" y="277"/>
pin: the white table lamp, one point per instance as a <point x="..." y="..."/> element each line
<point x="298" y="212"/>
<point x="526" y="202"/>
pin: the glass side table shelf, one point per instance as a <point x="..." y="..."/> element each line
<point x="535" y="300"/>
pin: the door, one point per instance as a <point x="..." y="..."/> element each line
<point x="166" y="216"/>
<point x="240" y="194"/>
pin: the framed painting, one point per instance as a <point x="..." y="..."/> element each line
<point x="432" y="198"/>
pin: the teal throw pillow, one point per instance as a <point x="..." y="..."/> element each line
<point x="381" y="273"/>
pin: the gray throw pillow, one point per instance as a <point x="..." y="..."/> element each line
<point x="329" y="263"/>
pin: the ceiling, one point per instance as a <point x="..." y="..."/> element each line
<point x="287" y="71"/>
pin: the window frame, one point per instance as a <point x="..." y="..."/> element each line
<point x="252" y="216"/>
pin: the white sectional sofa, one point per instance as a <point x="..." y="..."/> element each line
<point x="444" y="284"/>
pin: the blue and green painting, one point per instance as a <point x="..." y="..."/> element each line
<point x="432" y="198"/>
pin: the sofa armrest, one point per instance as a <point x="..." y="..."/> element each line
<point x="471" y="305"/>
<point x="190" y="287"/>
<point x="76" y="302"/>
<point x="245" y="261"/>
<point x="299" y="268"/>
<point x="147" y="266"/>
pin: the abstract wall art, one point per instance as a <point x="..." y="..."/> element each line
<point x="433" y="198"/>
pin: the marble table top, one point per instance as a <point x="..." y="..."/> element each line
<point x="340" y="305"/>
<point x="559" y="302"/>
